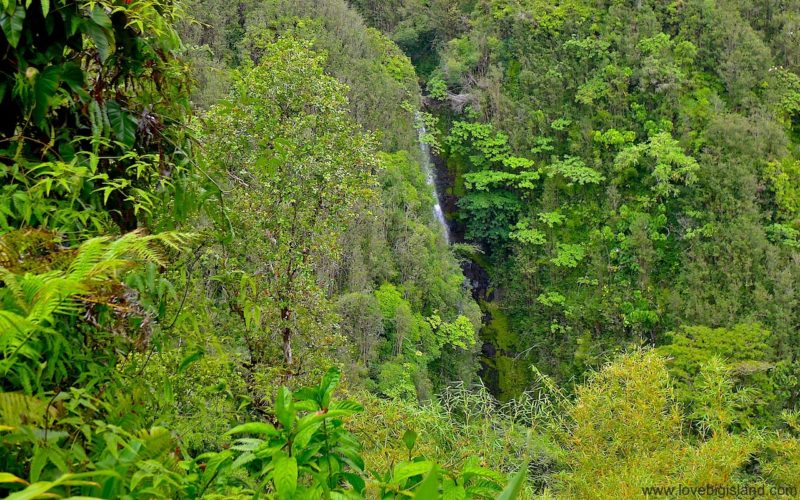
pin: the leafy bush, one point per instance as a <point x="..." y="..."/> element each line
<point x="91" y="92"/>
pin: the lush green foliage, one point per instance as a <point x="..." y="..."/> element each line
<point x="625" y="434"/>
<point x="293" y="191"/>
<point x="388" y="238"/>
<point x="90" y="93"/>
<point x="193" y="308"/>
<point x="628" y="164"/>
<point x="626" y="169"/>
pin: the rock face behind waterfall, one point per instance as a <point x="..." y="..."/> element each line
<point x="500" y="369"/>
<point x="430" y="175"/>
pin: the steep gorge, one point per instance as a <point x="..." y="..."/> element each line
<point x="502" y="370"/>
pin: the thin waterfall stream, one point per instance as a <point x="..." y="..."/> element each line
<point x="430" y="175"/>
<point x="497" y="357"/>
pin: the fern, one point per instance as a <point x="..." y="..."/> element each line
<point x="18" y="409"/>
<point x="39" y="311"/>
<point x="103" y="257"/>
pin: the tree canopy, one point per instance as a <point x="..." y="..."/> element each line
<point x="223" y="271"/>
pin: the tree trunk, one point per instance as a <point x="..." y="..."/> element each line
<point x="286" y="315"/>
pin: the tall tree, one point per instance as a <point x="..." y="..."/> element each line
<point x="293" y="164"/>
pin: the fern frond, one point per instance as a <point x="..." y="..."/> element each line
<point x="90" y="254"/>
<point x="36" y="286"/>
<point x="34" y="306"/>
<point x="19" y="409"/>
<point x="12" y="322"/>
<point x="157" y="441"/>
<point x="100" y="258"/>
<point x="176" y="241"/>
<point x="12" y="285"/>
<point x="137" y="245"/>
<point x="13" y="331"/>
<point x="56" y="295"/>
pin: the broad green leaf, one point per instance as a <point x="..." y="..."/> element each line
<point x="429" y="487"/>
<point x="285" y="475"/>
<point x="348" y="405"/>
<point x="356" y="481"/>
<point x="284" y="407"/>
<point x="453" y="491"/>
<point x="123" y="125"/>
<point x="409" y="439"/>
<point x="405" y="470"/>
<point x="42" y="488"/>
<point x="307" y="394"/>
<point x="6" y="477"/>
<point x="514" y="487"/>
<point x="308" y="405"/>
<point x="309" y="420"/>
<point x="137" y="478"/>
<point x="36" y="490"/>
<point x="45" y="7"/>
<point x="303" y="437"/>
<point x="12" y="25"/>
<point x="73" y="75"/>
<point x="38" y="462"/>
<point x="102" y="38"/>
<point x="100" y="17"/>
<point x="351" y="457"/>
<point x="44" y="90"/>
<point x="215" y="462"/>
<point x="329" y="382"/>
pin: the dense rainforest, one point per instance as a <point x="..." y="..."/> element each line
<point x="399" y="249"/>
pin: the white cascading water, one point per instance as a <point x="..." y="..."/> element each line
<point x="428" y="167"/>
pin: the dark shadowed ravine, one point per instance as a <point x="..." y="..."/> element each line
<point x="497" y="355"/>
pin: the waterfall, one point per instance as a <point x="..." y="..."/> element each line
<point x="430" y="175"/>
